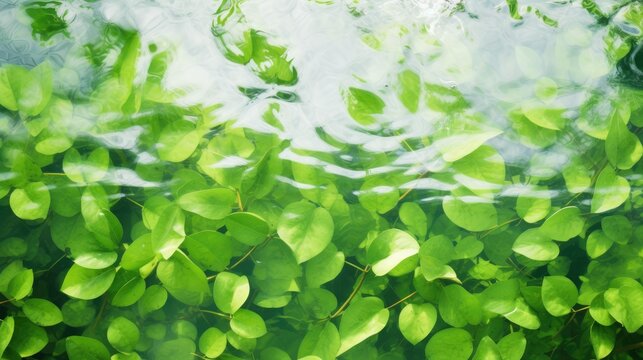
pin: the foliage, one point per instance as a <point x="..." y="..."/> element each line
<point x="163" y="250"/>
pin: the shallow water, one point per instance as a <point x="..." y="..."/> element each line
<point x="484" y="113"/>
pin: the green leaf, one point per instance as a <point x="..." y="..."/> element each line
<point x="487" y="350"/>
<point x="618" y="228"/>
<point x="42" y="312"/>
<point x="435" y="254"/>
<point x="610" y="191"/>
<point x="523" y="315"/>
<point x="86" y="171"/>
<point x="169" y="233"/>
<point x="20" y="285"/>
<point x="603" y="339"/>
<point x="127" y="289"/>
<point x="624" y="304"/>
<point x="123" y="334"/>
<point x="623" y="148"/>
<point x="598" y="243"/>
<point x="247" y="228"/>
<point x="211" y="250"/>
<point x="539" y="114"/>
<point x="363" y="104"/>
<point x="89" y="252"/>
<point x="535" y="245"/>
<point x="31" y="202"/>
<point x="7" y="326"/>
<point x="321" y="341"/>
<point x="153" y="299"/>
<point x="482" y="171"/>
<point x="412" y="215"/>
<point x="449" y="344"/>
<point x="455" y="147"/>
<point x="559" y="295"/>
<point x="468" y="248"/>
<point x="416" y="321"/>
<point x="248" y="324"/>
<point x="178" y="141"/>
<point x="564" y="224"/>
<point x="534" y="205"/>
<point x="408" y="89"/>
<point x="28" y="339"/>
<point x="376" y="194"/>
<point x="363" y="318"/>
<point x="177" y="349"/>
<point x="458" y="307"/>
<point x="324" y="267"/>
<point x="389" y="249"/>
<point x="501" y="296"/>
<point x="183" y="279"/>
<point x="212" y="342"/>
<point x="85" y="348"/>
<point x="87" y="284"/>
<point x="230" y="291"/>
<point x="599" y="312"/>
<point x="212" y="204"/>
<point x="138" y="253"/>
<point x="78" y="313"/>
<point x="306" y="229"/>
<point x="470" y="212"/>
<point x="512" y="346"/>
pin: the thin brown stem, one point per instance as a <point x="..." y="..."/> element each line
<point x="6" y="301"/>
<point x="51" y="266"/>
<point x="360" y="282"/>
<point x="498" y="227"/>
<point x="408" y="191"/>
<point x="402" y="300"/>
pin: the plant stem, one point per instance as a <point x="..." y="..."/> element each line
<point x="402" y="300"/>
<point x="355" y="266"/>
<point x="53" y="174"/>
<point x="629" y="347"/>
<point x="352" y="295"/>
<point x="243" y="258"/>
<point x="134" y="202"/>
<point x="239" y="201"/>
<point x="6" y="301"/>
<point x="226" y="316"/>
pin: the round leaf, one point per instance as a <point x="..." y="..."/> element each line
<point x="449" y="344"/>
<point x="248" y="324"/>
<point x="389" y="249"/>
<point x="362" y="319"/>
<point x="123" y="334"/>
<point x="564" y="224"/>
<point x="212" y="204"/>
<point x="31" y="202"/>
<point x="417" y="321"/>
<point x="230" y="291"/>
<point x="559" y="295"/>
<point x="535" y="245"/>
<point x="87" y="284"/>
<point x="306" y="229"/>
<point x="247" y="228"/>
<point x="610" y="191"/>
<point x="212" y="342"/>
<point x="85" y="348"/>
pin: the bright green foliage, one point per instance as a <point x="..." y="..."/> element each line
<point x="212" y="342"/>
<point x="123" y="334"/>
<point x="230" y="291"/>
<point x="450" y="344"/>
<point x="306" y="229"/>
<point x="389" y="249"/>
<point x="42" y="312"/>
<point x="417" y="321"/>
<point x="559" y="294"/>
<point x="363" y="105"/>
<point x="363" y="318"/>
<point x="459" y="203"/>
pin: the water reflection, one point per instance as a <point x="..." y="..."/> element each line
<point x="359" y="89"/>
